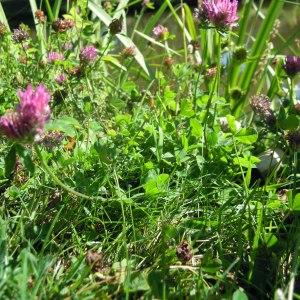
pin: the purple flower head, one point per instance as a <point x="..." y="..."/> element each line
<point x="88" y="54"/>
<point x="61" y="78"/>
<point x="222" y="13"/>
<point x="292" y="65"/>
<point x="160" y="32"/>
<point x="54" y="56"/>
<point x="28" y="120"/>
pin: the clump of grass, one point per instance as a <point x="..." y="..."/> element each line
<point x="153" y="171"/>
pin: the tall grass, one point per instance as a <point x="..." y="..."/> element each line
<point x="163" y="173"/>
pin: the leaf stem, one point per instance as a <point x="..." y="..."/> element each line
<point x="48" y="170"/>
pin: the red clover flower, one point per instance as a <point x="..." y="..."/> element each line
<point x="221" y="13"/>
<point x="160" y="32"/>
<point x="88" y="54"/>
<point x="28" y="120"/>
<point x="60" y="78"/>
<point x="54" y="56"/>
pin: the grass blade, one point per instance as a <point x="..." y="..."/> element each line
<point x="3" y="18"/>
<point x="39" y="28"/>
<point x="257" y="51"/>
<point x="155" y="18"/>
<point x="56" y="8"/>
<point x="190" y="21"/>
<point x="125" y="40"/>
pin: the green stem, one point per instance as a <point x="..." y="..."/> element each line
<point x="49" y="11"/>
<point x="291" y="92"/>
<point x="48" y="170"/>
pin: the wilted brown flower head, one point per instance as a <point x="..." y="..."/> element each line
<point x="261" y="106"/>
<point x="3" y="29"/>
<point x="95" y="260"/>
<point x="40" y="16"/>
<point x="52" y="139"/>
<point x="128" y="52"/>
<point x="107" y="5"/>
<point x="75" y="71"/>
<point x="293" y="137"/>
<point x="169" y="61"/>
<point x="21" y="34"/>
<point x="116" y="26"/>
<point x="184" y="252"/>
<point x="211" y="72"/>
<point x="200" y="16"/>
<point x="62" y="25"/>
<point x="193" y="46"/>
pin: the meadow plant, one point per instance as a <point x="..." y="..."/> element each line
<point x="169" y="168"/>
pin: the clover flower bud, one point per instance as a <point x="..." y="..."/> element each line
<point x="292" y="65"/>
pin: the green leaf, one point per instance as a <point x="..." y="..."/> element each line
<point x="270" y="239"/>
<point x="26" y="158"/>
<point x="65" y="124"/>
<point x="157" y="185"/>
<point x="232" y="123"/>
<point x="138" y="282"/>
<point x="212" y="266"/>
<point x="10" y="161"/>
<point x="197" y="130"/>
<point x="246" y="136"/>
<point x="296" y="203"/>
<point x="169" y="98"/>
<point x="290" y="123"/>
<point x="239" y="295"/>
<point x="186" y="108"/>
<point x="114" y="61"/>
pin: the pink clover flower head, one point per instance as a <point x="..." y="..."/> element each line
<point x="160" y="32"/>
<point x="28" y="120"/>
<point x="222" y="13"/>
<point x="61" y="78"/>
<point x="55" y="56"/>
<point x="88" y="53"/>
<point x="292" y="65"/>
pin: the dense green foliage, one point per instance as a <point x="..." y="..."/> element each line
<point x="145" y="182"/>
